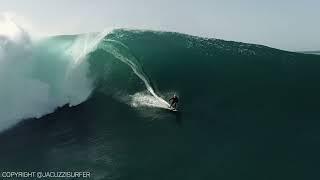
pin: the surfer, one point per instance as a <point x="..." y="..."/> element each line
<point x="174" y="102"/>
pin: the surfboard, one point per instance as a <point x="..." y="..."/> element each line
<point x="172" y="109"/>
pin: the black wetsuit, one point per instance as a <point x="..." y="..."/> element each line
<point x="174" y="102"/>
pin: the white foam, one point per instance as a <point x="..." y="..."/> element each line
<point x="143" y="99"/>
<point x="36" y="78"/>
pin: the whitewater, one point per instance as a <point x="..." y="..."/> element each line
<point x="36" y="78"/>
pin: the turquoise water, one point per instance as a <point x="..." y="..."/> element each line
<point x="246" y="111"/>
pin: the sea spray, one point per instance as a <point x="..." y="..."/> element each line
<point x="36" y="77"/>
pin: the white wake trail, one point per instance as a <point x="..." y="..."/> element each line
<point x="139" y="99"/>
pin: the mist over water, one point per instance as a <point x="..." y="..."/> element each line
<point x="37" y="76"/>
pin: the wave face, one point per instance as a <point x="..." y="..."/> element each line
<point x="245" y="110"/>
<point x="218" y="73"/>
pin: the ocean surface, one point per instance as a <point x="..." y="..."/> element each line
<point x="98" y="102"/>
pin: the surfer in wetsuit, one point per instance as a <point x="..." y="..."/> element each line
<point x="174" y="102"/>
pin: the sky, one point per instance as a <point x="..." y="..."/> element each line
<point x="285" y="24"/>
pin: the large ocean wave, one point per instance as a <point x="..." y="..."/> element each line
<point x="139" y="67"/>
